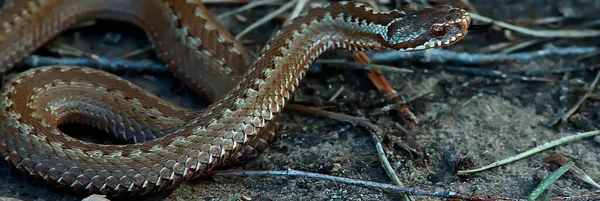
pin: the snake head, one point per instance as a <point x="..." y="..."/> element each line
<point x="417" y="28"/>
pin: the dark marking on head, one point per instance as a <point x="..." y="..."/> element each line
<point x="418" y="28"/>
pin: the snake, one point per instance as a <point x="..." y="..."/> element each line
<point x="164" y="145"/>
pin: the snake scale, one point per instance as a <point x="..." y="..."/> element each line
<point x="165" y="144"/>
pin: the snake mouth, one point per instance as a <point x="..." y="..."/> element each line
<point x="445" y="41"/>
<point x="435" y="43"/>
<point x="440" y="43"/>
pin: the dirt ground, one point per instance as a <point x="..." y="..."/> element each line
<point x="467" y="116"/>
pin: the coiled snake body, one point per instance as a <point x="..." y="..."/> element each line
<point x="171" y="144"/>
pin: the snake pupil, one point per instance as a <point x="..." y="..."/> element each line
<point x="438" y="31"/>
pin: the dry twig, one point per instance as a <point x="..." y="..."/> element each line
<point x="365" y="66"/>
<point x="266" y="18"/>
<point x="535" y="150"/>
<point x="447" y="56"/>
<point x="298" y="9"/>
<point x="589" y="90"/>
<point x="439" y="193"/>
<point x="248" y="6"/>
<point x="584" y="33"/>
<point x="103" y="63"/>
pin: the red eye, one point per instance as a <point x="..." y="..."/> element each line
<point x="438" y="30"/>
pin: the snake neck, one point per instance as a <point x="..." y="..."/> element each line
<point x="283" y="62"/>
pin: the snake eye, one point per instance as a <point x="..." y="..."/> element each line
<point x="438" y="30"/>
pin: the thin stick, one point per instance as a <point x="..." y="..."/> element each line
<point x="337" y="93"/>
<point x="523" y="45"/>
<point x="431" y="56"/>
<point x="298" y="9"/>
<point x="589" y="90"/>
<point x="266" y="18"/>
<point x="439" y="193"/>
<point x="382" y="186"/>
<point x="103" y="63"/>
<point x="496" y="74"/>
<point x="248" y="6"/>
<point x="584" y="33"/>
<point x="446" y="56"/>
<point x="535" y="150"/>
<point x="366" y="66"/>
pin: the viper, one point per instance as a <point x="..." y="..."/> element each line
<point x="166" y="144"/>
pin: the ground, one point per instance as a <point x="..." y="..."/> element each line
<point x="481" y="118"/>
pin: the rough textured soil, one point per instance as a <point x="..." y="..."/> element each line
<point x="482" y="118"/>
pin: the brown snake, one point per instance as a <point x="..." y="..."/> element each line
<point x="169" y="144"/>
